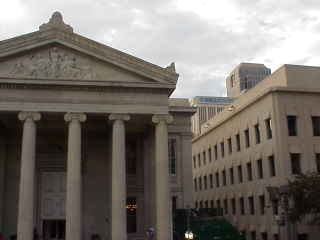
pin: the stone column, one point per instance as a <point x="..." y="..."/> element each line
<point x="118" y="178"/>
<point x="27" y="176"/>
<point x="162" y="186"/>
<point x="73" y="195"/>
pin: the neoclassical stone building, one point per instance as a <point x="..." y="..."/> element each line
<point x="90" y="141"/>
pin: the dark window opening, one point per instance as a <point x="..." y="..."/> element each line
<point x="295" y="163"/>
<point x="257" y="133"/>
<point x="292" y="125"/>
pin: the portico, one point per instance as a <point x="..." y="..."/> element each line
<point x="91" y="144"/>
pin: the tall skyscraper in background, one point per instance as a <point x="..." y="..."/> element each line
<point x="244" y="77"/>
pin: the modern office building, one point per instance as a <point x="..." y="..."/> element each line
<point x="244" y="77"/>
<point x="267" y="136"/>
<point x="91" y="145"/>
<point x="206" y="108"/>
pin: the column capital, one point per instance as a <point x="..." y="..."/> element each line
<point x="123" y="117"/>
<point x="167" y="118"/>
<point x="81" y="117"/>
<point x="35" y="116"/>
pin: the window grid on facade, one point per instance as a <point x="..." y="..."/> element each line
<point x="260" y="168"/>
<point x="268" y="128"/>
<point x="173" y="156"/>
<point x="247" y="137"/>
<point x="295" y="163"/>
<point x="292" y="125"/>
<point x="257" y="133"/>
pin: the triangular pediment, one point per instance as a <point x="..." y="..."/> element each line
<point x="55" y="52"/>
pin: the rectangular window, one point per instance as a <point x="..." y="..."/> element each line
<point x="257" y="133"/>
<point x="131" y="215"/>
<point x="233" y="206"/>
<point x="241" y="203"/>
<point x="205" y="183"/>
<point x="194" y="162"/>
<point x="204" y="157"/>
<point x="275" y="207"/>
<point x="295" y="163"/>
<point x="206" y="205"/>
<point x="222" y="149"/>
<point x="238" y="142"/>
<point x="249" y="171"/>
<point x="215" y="152"/>
<point x="224" y="178"/>
<point x="292" y="125"/>
<point x="201" y="204"/>
<point x="200" y="183"/>
<point x="199" y="160"/>
<point x="316" y="125"/>
<point x="218" y="204"/>
<point x="217" y="180"/>
<point x="210" y="154"/>
<point x="195" y="185"/>
<point x="173" y="156"/>
<point x="225" y="203"/>
<point x="211" y="180"/>
<point x="230" y="145"/>
<point x="211" y="203"/>
<point x="260" y="168"/>
<point x="231" y="176"/>
<point x="247" y="137"/>
<point x="262" y="203"/>
<point x="251" y="205"/>
<point x="240" y="174"/>
<point x="318" y="162"/>
<point x="272" y="166"/>
<point x="268" y="128"/>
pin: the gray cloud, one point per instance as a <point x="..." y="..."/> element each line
<point x="204" y="49"/>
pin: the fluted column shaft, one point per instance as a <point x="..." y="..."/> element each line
<point x="118" y="178"/>
<point x="162" y="187"/>
<point x="73" y="195"/>
<point x="27" y="176"/>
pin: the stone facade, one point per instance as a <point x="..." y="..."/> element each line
<point x="266" y="138"/>
<point x="91" y="144"/>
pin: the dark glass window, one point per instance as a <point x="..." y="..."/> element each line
<point x="272" y="166"/>
<point x="268" y="128"/>
<point x="233" y="206"/>
<point x="211" y="203"/>
<point x="205" y="182"/>
<point x="194" y="162"/>
<point x="200" y="183"/>
<point x="206" y="205"/>
<point x="131" y="215"/>
<point x="275" y="207"/>
<point x="318" y="162"/>
<point x="249" y="171"/>
<point x="217" y="179"/>
<point x="262" y="203"/>
<point x="251" y="205"/>
<point x="316" y="126"/>
<point x="295" y="163"/>
<point x="199" y="160"/>
<point x="241" y="203"/>
<point x="231" y="175"/>
<point x="260" y="168"/>
<point x="238" y="142"/>
<point x="222" y="149"/>
<point x="240" y="174"/>
<point x="195" y="185"/>
<point x="211" y="180"/>
<point x="224" y="178"/>
<point x="204" y="158"/>
<point x="257" y="133"/>
<point x="210" y="154"/>
<point x="215" y="152"/>
<point x="292" y="125"/>
<point x="218" y="204"/>
<point x="225" y="206"/>
<point x="201" y="204"/>
<point x="173" y="156"/>
<point x="247" y="137"/>
<point x="230" y="145"/>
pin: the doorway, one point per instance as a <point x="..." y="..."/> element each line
<point x="54" y="229"/>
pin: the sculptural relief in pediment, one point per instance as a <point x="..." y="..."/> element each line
<point x="60" y="63"/>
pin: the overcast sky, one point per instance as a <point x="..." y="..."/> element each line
<point x="205" y="38"/>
